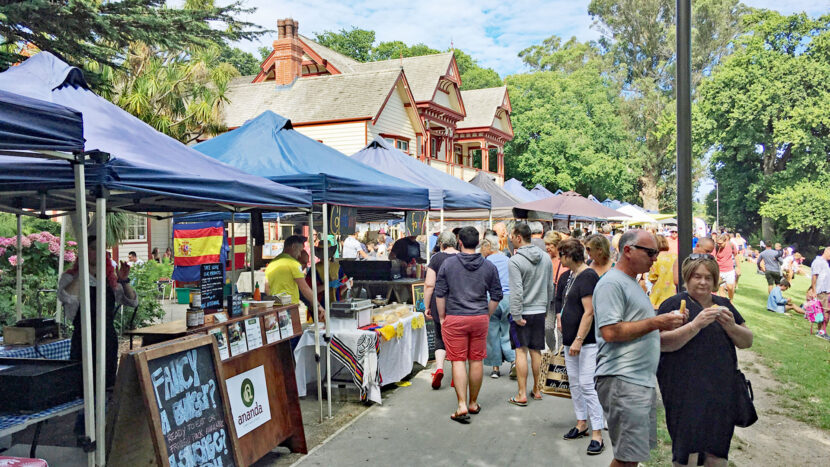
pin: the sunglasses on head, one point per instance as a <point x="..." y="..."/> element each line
<point x="696" y="256"/>
<point x="651" y="252"/>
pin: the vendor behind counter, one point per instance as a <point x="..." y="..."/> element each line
<point x="406" y="249"/>
<point x="284" y="274"/>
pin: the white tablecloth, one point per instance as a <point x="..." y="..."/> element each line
<point x="394" y="361"/>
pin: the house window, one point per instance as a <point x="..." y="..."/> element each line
<point x="403" y="146"/>
<point x="433" y="148"/>
<point x="457" y="154"/>
<point x="418" y="146"/>
<point x="493" y="160"/>
<point x="136" y="228"/>
<point x="390" y="141"/>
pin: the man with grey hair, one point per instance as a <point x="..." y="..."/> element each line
<point x="498" y="334"/>
<point x="628" y="338"/>
<point x="536" y="232"/>
<point x="448" y="244"/>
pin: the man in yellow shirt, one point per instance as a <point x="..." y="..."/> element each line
<point x="285" y="273"/>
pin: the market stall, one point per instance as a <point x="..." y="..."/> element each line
<point x="141" y="171"/>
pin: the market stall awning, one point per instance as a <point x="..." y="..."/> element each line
<point x="269" y="146"/>
<point x="28" y="124"/>
<point x="570" y="204"/>
<point x="146" y="170"/>
<point x="541" y="192"/>
<point x="445" y="191"/>
<point x="502" y="203"/>
<point x="635" y="215"/>
<point x="516" y="188"/>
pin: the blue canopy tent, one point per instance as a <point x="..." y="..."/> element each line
<point x="516" y="188"/>
<point x="541" y="192"/>
<point x="28" y="124"/>
<point x="135" y="168"/>
<point x="445" y="191"/>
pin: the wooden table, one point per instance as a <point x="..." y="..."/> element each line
<point x="285" y="428"/>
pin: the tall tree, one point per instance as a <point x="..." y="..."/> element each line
<point x="355" y="42"/>
<point x="638" y="39"/>
<point x="765" y="115"/>
<point x="474" y="76"/>
<point x="92" y="31"/>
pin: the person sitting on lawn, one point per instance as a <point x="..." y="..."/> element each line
<point x="776" y="302"/>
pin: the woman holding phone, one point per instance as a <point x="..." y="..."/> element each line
<point x="698" y="364"/>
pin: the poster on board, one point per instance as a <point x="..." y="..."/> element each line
<point x="248" y="395"/>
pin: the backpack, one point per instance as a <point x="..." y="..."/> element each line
<point x="814" y="312"/>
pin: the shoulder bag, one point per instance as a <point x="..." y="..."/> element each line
<point x="745" y="414"/>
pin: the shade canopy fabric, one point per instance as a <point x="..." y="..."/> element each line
<point x="502" y="203"/>
<point x="28" y="124"/>
<point x="516" y="188"/>
<point x="269" y="146"/>
<point x="570" y="204"/>
<point x="541" y="192"/>
<point x="635" y="215"/>
<point x="146" y="171"/>
<point x="445" y="191"/>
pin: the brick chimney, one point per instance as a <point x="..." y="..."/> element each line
<point x="288" y="53"/>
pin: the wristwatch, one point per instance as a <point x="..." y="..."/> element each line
<point x="580" y="338"/>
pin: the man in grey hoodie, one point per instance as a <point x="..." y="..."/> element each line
<point x="531" y="292"/>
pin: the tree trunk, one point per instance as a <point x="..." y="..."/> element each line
<point x="650" y="193"/>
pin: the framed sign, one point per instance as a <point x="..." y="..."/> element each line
<point x="415" y="222"/>
<point x="342" y="220"/>
<point x="212" y="285"/>
<point x="418" y="297"/>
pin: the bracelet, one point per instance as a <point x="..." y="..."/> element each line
<point x="579" y="338"/>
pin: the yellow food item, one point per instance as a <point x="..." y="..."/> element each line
<point x="683" y="306"/>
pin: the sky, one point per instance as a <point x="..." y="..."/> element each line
<point x="492" y="31"/>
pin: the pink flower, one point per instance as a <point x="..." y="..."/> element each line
<point x="54" y="248"/>
<point x="71" y="243"/>
<point x="69" y="256"/>
<point x="7" y="241"/>
<point x="2" y="251"/>
<point x="25" y="242"/>
<point x="13" y="260"/>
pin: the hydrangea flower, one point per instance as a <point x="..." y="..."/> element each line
<point x="13" y="260"/>
<point x="69" y="256"/>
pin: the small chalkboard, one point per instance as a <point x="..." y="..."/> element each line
<point x="235" y="305"/>
<point x="212" y="285"/>
<point x="430" y="325"/>
<point x="342" y="220"/>
<point x="178" y="388"/>
<point x="415" y="222"/>
<point x="418" y="297"/>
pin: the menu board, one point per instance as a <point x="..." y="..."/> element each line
<point x="235" y="305"/>
<point x="342" y="220"/>
<point x="221" y="342"/>
<point x="237" y="339"/>
<point x="188" y="405"/>
<point x="272" y="330"/>
<point x="211" y="285"/>
<point x="415" y="222"/>
<point x="286" y="325"/>
<point x="253" y="332"/>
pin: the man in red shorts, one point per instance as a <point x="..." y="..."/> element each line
<point x="464" y="311"/>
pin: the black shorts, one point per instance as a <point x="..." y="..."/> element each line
<point x="531" y="335"/>
<point x="439" y="339"/>
<point x="773" y="278"/>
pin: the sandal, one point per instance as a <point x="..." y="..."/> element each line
<point x="460" y="418"/>
<point x="476" y="411"/>
<point x="513" y="401"/>
<point x="536" y="397"/>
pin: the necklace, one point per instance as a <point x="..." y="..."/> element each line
<point x="571" y="281"/>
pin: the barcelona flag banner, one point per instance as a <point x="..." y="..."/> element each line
<point x="197" y="244"/>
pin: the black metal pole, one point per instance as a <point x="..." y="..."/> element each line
<point x="684" y="130"/>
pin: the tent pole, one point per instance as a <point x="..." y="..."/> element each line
<point x="429" y="250"/>
<point x="18" y="289"/>
<point x="233" y="250"/>
<point x="442" y="218"/>
<point x="58" y="306"/>
<point x="326" y="280"/>
<point x="491" y="219"/>
<point x="86" y="332"/>
<point x="251" y="254"/>
<point x="100" y="328"/>
<point x="315" y="307"/>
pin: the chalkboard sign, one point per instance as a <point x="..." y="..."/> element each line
<point x="430" y="325"/>
<point x="415" y="222"/>
<point x="418" y="297"/>
<point x="212" y="284"/>
<point x="342" y="220"/>
<point x="177" y="387"/>
<point x="235" y="305"/>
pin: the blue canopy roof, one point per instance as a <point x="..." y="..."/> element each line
<point x="516" y="188"/>
<point x="32" y="124"/>
<point x="541" y="192"/>
<point x="445" y="191"/>
<point x="147" y="171"/>
<point x="269" y="146"/>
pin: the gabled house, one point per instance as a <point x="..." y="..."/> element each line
<point x="415" y="103"/>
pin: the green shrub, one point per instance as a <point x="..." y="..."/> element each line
<point x="144" y="279"/>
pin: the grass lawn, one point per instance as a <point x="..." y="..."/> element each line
<point x="799" y="361"/>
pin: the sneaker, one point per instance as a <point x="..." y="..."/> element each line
<point x="436" y="379"/>
<point x="495" y="374"/>
<point x="595" y="447"/>
<point x="512" y="371"/>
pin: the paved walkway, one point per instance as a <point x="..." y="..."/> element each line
<point x="412" y="427"/>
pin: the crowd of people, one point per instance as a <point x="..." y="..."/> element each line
<point x="610" y="302"/>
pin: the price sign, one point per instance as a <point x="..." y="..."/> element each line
<point x="342" y="220"/>
<point x="212" y="284"/>
<point x="415" y="223"/>
<point x="418" y="297"/>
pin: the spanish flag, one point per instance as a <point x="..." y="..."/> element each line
<point x="197" y="244"/>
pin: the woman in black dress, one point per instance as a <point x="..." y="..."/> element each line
<point x="697" y="367"/>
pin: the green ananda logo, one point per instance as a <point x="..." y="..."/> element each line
<point x="247" y="392"/>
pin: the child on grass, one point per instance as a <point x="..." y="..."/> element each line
<point x="776" y="302"/>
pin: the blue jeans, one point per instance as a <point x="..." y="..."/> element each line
<point x="498" y="336"/>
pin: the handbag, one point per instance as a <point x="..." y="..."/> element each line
<point x="745" y="414"/>
<point x="554" y="376"/>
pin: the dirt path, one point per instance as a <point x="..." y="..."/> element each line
<point x="776" y="439"/>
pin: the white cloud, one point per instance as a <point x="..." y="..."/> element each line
<point x="492" y="31"/>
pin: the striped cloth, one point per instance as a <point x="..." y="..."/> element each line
<point x="358" y="352"/>
<point x="57" y="350"/>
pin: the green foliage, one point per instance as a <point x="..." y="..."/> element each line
<point x="474" y="76"/>
<point x="803" y="206"/>
<point x="568" y="134"/>
<point x="99" y="33"/>
<point x="764" y="115"/>
<point x="8" y="226"/>
<point x="143" y="278"/>
<point x="244" y="62"/>
<point x="354" y="42"/>
<point x="396" y="49"/>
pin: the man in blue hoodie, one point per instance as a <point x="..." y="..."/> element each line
<point x="531" y="292"/>
<point x="461" y="289"/>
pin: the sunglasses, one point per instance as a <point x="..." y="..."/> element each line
<point x="696" y="256"/>
<point x="651" y="252"/>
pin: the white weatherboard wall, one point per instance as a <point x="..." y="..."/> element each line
<point x="161" y="234"/>
<point x="394" y="120"/>
<point x="347" y="138"/>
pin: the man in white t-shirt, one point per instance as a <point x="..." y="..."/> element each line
<point x="820" y="272"/>
<point x="352" y="249"/>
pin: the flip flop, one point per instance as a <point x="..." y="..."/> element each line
<point x="537" y="397"/>
<point x="513" y="401"/>
<point x="476" y="411"/>
<point x="460" y="418"/>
